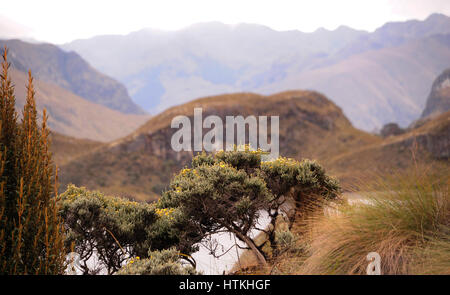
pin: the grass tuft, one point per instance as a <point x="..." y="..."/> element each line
<point x="405" y="218"/>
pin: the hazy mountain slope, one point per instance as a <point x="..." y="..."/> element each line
<point x="142" y="163"/>
<point x="162" y="69"/>
<point x="232" y="45"/>
<point x="69" y="71"/>
<point x="378" y="86"/>
<point x="72" y="115"/>
<point x="438" y="101"/>
<point x="396" y="33"/>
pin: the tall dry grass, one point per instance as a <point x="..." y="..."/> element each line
<point x="405" y="218"/>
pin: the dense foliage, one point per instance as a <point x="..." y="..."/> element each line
<point x="31" y="236"/>
<point x="222" y="192"/>
<point x="228" y="191"/>
<point x="113" y="229"/>
<point x="164" y="262"/>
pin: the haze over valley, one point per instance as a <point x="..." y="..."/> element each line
<point x="376" y="78"/>
<point x="125" y="89"/>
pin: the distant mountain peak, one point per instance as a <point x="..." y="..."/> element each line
<point x="163" y="70"/>
<point x="437" y="16"/>
<point x="321" y="30"/>
<point x="339" y="29"/>
<point x="343" y="28"/>
<point x="211" y="25"/>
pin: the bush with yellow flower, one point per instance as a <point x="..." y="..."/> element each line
<point x="229" y="190"/>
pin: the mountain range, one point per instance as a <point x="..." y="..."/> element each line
<point x="376" y="77"/>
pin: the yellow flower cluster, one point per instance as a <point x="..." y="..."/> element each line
<point x="133" y="260"/>
<point x="116" y="204"/>
<point x="242" y="147"/>
<point x="280" y="160"/>
<point x="164" y="211"/>
<point x="186" y="172"/>
<point x="72" y="196"/>
<point x="223" y="165"/>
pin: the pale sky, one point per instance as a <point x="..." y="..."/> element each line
<point x="59" y="21"/>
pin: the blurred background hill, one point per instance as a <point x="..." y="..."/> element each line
<point x="142" y="164"/>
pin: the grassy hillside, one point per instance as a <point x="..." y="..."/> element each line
<point x="142" y="163"/>
<point x="65" y="148"/>
<point x="74" y="116"/>
<point x="427" y="143"/>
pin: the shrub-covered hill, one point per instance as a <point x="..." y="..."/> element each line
<point x="428" y="143"/>
<point x="66" y="148"/>
<point x="311" y="126"/>
<point x="141" y="164"/>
